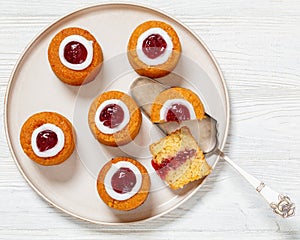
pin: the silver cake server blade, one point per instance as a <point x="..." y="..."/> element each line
<point x="144" y="91"/>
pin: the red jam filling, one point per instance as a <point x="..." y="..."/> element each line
<point x="75" y="52"/>
<point x="112" y="115"/>
<point x="123" y="180"/>
<point x="172" y="163"/>
<point x="154" y="46"/>
<point x="178" y="113"/>
<point x="46" y="140"/>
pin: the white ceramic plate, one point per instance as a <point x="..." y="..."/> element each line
<point x="33" y="88"/>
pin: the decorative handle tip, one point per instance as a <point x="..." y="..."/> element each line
<point x="285" y="207"/>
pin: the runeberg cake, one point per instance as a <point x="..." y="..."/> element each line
<point x="114" y="118"/>
<point x="177" y="104"/>
<point x="123" y="183"/>
<point x="154" y="49"/>
<point x="75" y="56"/>
<point x="178" y="159"/>
<point x="47" y="138"/>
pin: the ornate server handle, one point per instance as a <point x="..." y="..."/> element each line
<point x="281" y="204"/>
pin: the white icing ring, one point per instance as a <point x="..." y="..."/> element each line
<point x="86" y="43"/>
<point x="168" y="104"/>
<point x="105" y="129"/>
<point x="160" y="59"/>
<point x="107" y="180"/>
<point x="53" y="151"/>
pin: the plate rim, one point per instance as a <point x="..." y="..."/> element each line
<point x="74" y="12"/>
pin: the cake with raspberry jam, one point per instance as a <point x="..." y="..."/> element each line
<point x="47" y="138"/>
<point x="176" y="104"/>
<point x="154" y="49"/>
<point x="114" y="118"/>
<point x="123" y="183"/>
<point x="178" y="159"/>
<point x="75" y="56"/>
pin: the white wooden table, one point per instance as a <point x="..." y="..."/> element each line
<point x="257" y="46"/>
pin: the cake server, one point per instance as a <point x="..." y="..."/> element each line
<point x="144" y="90"/>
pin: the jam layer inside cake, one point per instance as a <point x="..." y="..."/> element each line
<point x="172" y="163"/>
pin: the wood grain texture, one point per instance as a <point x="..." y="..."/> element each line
<point x="257" y="46"/>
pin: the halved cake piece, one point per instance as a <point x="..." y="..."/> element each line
<point x="178" y="159"/>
